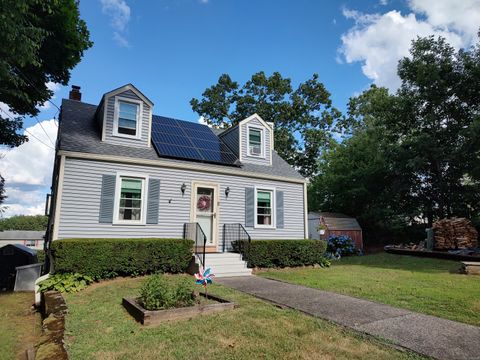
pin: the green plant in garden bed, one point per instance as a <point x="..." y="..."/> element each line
<point x="282" y="253"/>
<point x="158" y="293"/>
<point x="107" y="258"/>
<point x="66" y="282"/>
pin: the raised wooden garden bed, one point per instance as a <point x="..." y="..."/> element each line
<point x="149" y="317"/>
<point x="470" y="268"/>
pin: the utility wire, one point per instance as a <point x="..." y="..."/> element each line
<point x="28" y="132"/>
<point x="30" y="83"/>
<point x="39" y="123"/>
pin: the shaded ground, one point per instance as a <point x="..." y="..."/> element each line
<point x="99" y="328"/>
<point x="429" y="286"/>
<point x="428" y="335"/>
<point x="20" y="326"/>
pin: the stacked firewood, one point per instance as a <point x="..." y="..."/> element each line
<point x="455" y="233"/>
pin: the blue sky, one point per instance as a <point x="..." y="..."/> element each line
<point x="178" y="48"/>
<point x="173" y="49"/>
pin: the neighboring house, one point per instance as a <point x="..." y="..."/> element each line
<point x="334" y="224"/>
<point x="121" y="171"/>
<point x="31" y="239"/>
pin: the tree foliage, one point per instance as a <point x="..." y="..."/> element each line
<point x="41" y="41"/>
<point x="24" y="222"/>
<point x="412" y="156"/>
<point x="2" y="193"/>
<point x="302" y="117"/>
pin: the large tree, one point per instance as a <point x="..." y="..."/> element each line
<point x="40" y="42"/>
<point x="302" y="117"/>
<point x="412" y="155"/>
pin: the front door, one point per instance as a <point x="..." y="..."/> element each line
<point x="205" y="208"/>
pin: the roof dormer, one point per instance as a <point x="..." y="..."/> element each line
<point x="256" y="140"/>
<point x="125" y="116"/>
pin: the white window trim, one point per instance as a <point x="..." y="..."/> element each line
<point x="273" y="225"/>
<point x="138" y="134"/>
<point x="263" y="142"/>
<point x="118" y="185"/>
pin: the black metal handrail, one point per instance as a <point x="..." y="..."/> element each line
<point x="235" y="232"/>
<point x="194" y="231"/>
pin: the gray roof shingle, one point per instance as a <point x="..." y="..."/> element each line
<point x="80" y="132"/>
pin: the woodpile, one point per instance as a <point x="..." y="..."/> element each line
<point x="455" y="233"/>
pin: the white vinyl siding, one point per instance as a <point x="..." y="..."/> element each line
<point x="80" y="202"/>
<point x="266" y="148"/>
<point x="141" y="139"/>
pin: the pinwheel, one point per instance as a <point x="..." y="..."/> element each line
<point x="204" y="278"/>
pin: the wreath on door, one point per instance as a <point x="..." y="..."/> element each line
<point x="203" y="203"/>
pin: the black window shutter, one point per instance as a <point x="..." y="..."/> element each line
<point x="249" y="207"/>
<point x="107" y="199"/>
<point x="153" y="201"/>
<point x="280" y="210"/>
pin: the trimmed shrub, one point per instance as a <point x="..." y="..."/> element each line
<point x="41" y="256"/>
<point x="107" y="258"/>
<point x="282" y="253"/>
<point x="157" y="293"/>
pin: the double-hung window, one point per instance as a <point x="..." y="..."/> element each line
<point x="128" y="114"/>
<point x="264" y="208"/>
<point x="131" y="200"/>
<point x="255" y="142"/>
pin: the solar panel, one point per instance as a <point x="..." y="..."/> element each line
<point x="186" y="140"/>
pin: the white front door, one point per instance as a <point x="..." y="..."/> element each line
<point x="205" y="208"/>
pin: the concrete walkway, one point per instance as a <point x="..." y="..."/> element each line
<point x="428" y="335"/>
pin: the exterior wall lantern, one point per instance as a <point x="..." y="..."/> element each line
<point x="227" y="191"/>
<point x="183" y="188"/>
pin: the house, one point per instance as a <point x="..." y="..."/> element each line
<point x="32" y="239"/>
<point x="334" y="224"/>
<point x="121" y="171"/>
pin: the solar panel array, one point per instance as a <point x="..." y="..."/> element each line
<point x="186" y="140"/>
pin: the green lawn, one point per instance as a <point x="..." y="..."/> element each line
<point x="429" y="286"/>
<point x="99" y="328"/>
<point x="19" y="324"/>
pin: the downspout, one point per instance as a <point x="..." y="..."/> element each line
<point x="305" y="210"/>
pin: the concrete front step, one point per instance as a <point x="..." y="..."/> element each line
<point x="226" y="264"/>
<point x="225" y="255"/>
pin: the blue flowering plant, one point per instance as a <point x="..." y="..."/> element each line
<point x="338" y="246"/>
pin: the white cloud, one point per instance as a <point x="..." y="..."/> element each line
<point x="379" y="41"/>
<point x="384" y="2"/>
<point x="31" y="163"/>
<point x="203" y="121"/>
<point x="24" y="202"/>
<point x="53" y="87"/>
<point x="27" y="170"/>
<point x="118" y="11"/>
<point x="120" y="40"/>
<point x="5" y="110"/>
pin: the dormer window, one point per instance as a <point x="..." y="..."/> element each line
<point x="127" y="118"/>
<point x="255" y="142"/>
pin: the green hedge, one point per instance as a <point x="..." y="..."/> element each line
<point x="40" y="256"/>
<point x="281" y="253"/>
<point x="106" y="258"/>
